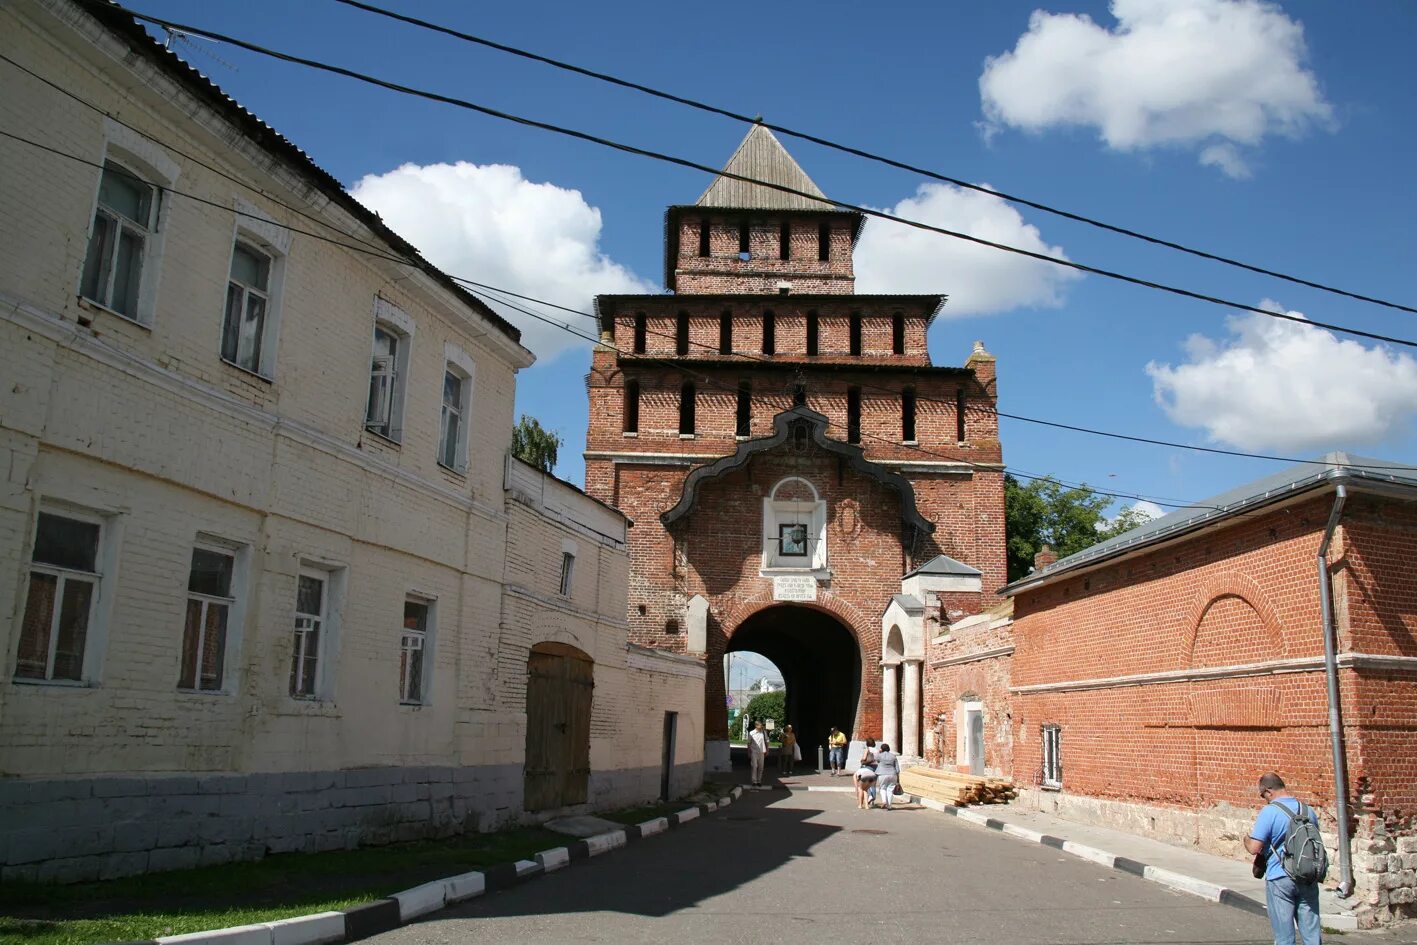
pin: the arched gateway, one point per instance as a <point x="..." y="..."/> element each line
<point x="796" y="468"/>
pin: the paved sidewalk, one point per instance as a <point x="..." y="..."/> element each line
<point x="1220" y="878"/>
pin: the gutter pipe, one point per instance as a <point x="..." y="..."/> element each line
<point x="1335" y="730"/>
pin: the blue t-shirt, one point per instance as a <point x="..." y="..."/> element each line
<point x="1270" y="827"/>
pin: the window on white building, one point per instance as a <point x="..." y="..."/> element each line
<point x="568" y="567"/>
<point x="1053" y="755"/>
<point x="452" y="430"/>
<point x="64" y="583"/>
<point x="245" y="332"/>
<point x="210" y="600"/>
<point x="386" y="384"/>
<point x="415" y="649"/>
<point x="124" y="223"/>
<point x="312" y="601"/>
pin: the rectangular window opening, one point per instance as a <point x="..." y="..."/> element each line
<point x="744" y="424"/>
<point x="855" y="340"/>
<point x="725" y="333"/>
<point x="632" y="406"/>
<point x="769" y="333"/>
<point x="385" y="383"/>
<point x="243" y="334"/>
<point x="681" y="334"/>
<point x="123" y="223"/>
<point x="452" y="428"/>
<point x="1053" y="755"/>
<point x="311" y="616"/>
<point x="705" y="232"/>
<point x="898" y="333"/>
<point x="824" y="245"/>
<point x="209" y="604"/>
<point x="640" y="331"/>
<point x="568" y="566"/>
<point x="64" y="581"/>
<point x="907" y="414"/>
<point x="413" y="651"/>
<point x="745" y="234"/>
<point x="784" y="241"/>
<point x="813" y="333"/>
<point x="686" y="409"/>
<point x="853" y="415"/>
<point x="961" y="403"/>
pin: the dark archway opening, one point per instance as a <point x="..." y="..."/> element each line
<point x="820" y="662"/>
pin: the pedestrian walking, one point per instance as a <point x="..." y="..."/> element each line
<point x="887" y="774"/>
<point x="787" y="755"/>
<point x="836" y="743"/>
<point x="865" y="777"/>
<point x="1286" y="834"/>
<point x="757" y="751"/>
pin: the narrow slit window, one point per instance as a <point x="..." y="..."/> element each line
<point x="769" y="333"/>
<point x="855" y="334"/>
<point x="568" y="569"/>
<point x="853" y="415"/>
<point x="745" y="237"/>
<point x="311" y="600"/>
<point x="725" y="333"/>
<point x="413" y="651"/>
<point x="640" y="331"/>
<point x="824" y="242"/>
<point x="961" y="402"/>
<point x="907" y="414"/>
<point x="784" y="241"/>
<point x="744" y="425"/>
<point x="686" y="409"/>
<point x="704" y="234"/>
<point x="813" y="333"/>
<point x="681" y="334"/>
<point x="898" y="333"/>
<point x="632" y="406"/>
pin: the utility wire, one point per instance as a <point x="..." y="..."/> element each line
<point x="473" y="286"/>
<point x="861" y="153"/>
<point x="694" y="165"/>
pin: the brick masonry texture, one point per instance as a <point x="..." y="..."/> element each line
<point x="1183" y="756"/>
<point x="146" y="427"/>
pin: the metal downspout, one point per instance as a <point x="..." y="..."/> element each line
<point x="1335" y="730"/>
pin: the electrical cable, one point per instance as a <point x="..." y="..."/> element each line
<point x="861" y="153"/>
<point x="694" y="165"/>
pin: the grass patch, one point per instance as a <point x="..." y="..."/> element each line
<point x="277" y="887"/>
<point x="638" y="815"/>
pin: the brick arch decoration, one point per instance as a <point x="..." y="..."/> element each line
<point x="826" y="601"/>
<point x="1227" y="586"/>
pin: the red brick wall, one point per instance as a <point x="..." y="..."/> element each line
<point x="723" y="271"/>
<point x="947" y="684"/>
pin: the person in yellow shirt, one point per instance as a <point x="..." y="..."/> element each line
<point x="837" y="742"/>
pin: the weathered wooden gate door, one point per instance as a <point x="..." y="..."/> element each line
<point x="560" y="682"/>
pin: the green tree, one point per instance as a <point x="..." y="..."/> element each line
<point x="532" y="443"/>
<point x="1044" y="512"/>
<point x="768" y="705"/>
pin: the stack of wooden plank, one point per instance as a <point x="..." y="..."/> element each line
<point x="951" y="787"/>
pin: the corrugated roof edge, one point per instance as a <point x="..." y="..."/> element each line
<point x="1331" y="469"/>
<point x="138" y="38"/>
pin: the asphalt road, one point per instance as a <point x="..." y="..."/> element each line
<point x="775" y="867"/>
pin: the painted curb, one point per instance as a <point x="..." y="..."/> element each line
<point x="383" y="915"/>
<point x="1180" y="882"/>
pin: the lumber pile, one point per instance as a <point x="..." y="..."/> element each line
<point x="951" y="787"/>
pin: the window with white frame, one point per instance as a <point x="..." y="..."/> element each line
<point x="414" y="650"/>
<point x="210" y="600"/>
<point x="794" y="527"/>
<point x="124" y="223"/>
<point x="1053" y="755"/>
<point x="312" y="603"/>
<point x="246" y="325"/>
<point x="453" y="425"/>
<point x="64" y="583"/>
<point x="388" y="372"/>
<point x="568" y="568"/>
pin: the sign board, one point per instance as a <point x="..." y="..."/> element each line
<point x="770" y="725"/>
<point x="794" y="587"/>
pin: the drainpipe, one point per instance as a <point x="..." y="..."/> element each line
<point x="1335" y="731"/>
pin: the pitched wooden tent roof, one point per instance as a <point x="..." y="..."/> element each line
<point x="762" y="157"/>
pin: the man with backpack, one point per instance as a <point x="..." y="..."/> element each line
<point x="1287" y="832"/>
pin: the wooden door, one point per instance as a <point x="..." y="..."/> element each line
<point x="560" y="682"/>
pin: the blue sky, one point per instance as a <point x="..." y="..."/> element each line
<point x="1279" y="134"/>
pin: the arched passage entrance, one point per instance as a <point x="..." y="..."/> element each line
<point x="820" y="661"/>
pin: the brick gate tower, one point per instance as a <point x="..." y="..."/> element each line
<point x="803" y="482"/>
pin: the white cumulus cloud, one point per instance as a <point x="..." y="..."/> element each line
<point x="1280" y="385"/>
<point x="894" y="257"/>
<point x="491" y="224"/>
<point x="1213" y="74"/>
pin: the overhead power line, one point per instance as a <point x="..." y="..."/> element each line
<point x="705" y="168"/>
<point x="371" y="249"/>
<point x="862" y="153"/>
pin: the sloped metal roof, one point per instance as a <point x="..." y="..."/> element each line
<point x="942" y="564"/>
<point x="762" y="157"/>
<point x="1331" y="469"/>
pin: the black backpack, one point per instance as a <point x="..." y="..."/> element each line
<point x="1302" y="855"/>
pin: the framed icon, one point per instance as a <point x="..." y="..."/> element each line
<point x="792" y="540"/>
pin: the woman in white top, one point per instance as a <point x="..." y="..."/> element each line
<point x="865" y="777"/>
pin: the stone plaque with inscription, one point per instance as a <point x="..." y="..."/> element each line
<point x="794" y="587"/>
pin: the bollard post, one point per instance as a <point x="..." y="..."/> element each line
<point x="819" y="759"/>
